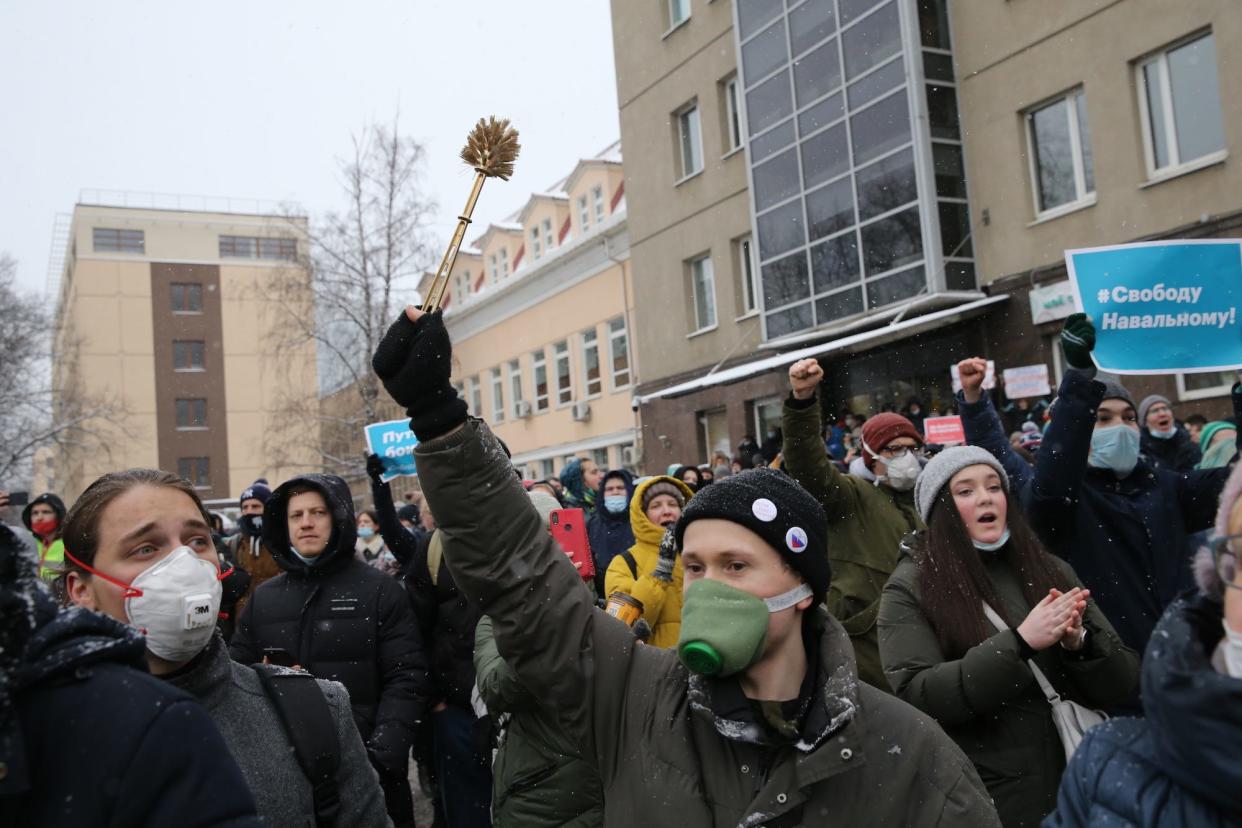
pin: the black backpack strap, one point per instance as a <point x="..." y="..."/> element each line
<point x="312" y="732"/>
<point x="628" y="557"/>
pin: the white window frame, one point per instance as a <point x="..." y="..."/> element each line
<point x="549" y="240"/>
<point x="498" y="395"/>
<point x="515" y="387"/>
<point x="587" y="345"/>
<point x="760" y="434"/>
<point x="597" y="197"/>
<point x="693" y="143"/>
<point x="613" y="336"/>
<point x="492" y="269"/>
<point x="748" y="269"/>
<point x="673" y="7"/>
<point x="536" y="248"/>
<point x="504" y="262"/>
<point x="1177" y="164"/>
<point x="475" y="391"/>
<point x="1185" y="395"/>
<point x="564" y="393"/>
<point x="539" y="359"/>
<point x="1084" y="197"/>
<point x="733" y="117"/>
<point x="584" y="213"/>
<point x="704" y="264"/>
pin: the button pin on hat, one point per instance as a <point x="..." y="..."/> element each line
<point x="796" y="539"/>
<point x="764" y="509"/>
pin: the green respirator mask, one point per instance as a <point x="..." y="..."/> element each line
<point x="724" y="629"/>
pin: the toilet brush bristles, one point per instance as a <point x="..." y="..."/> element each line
<point x="492" y="147"/>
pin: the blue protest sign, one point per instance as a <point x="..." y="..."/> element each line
<point x="394" y="443"/>
<point x="1162" y="307"/>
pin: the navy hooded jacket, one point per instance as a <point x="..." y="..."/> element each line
<point x="610" y="534"/>
<point x="1181" y="767"/>
<point x="1127" y="538"/>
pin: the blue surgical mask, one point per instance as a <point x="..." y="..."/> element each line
<point x="1115" y="447"/>
<point x="315" y="561"/>
<point x="997" y="544"/>
<point x="615" y="503"/>
<point x="1163" y="435"/>
<point x="366" y="532"/>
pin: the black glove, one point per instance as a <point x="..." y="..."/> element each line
<point x="414" y="361"/>
<point x="375" y="468"/>
<point x="1078" y="340"/>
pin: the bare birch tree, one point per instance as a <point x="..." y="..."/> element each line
<point x="363" y="263"/>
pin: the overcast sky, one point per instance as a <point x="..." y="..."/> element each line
<point x="259" y="99"/>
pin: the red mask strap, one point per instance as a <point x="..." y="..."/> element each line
<point x="130" y="591"/>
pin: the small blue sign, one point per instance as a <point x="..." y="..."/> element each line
<point x="1162" y="307"/>
<point x="394" y="443"/>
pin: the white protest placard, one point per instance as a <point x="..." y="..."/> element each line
<point x="989" y="379"/>
<point x="1026" y="381"/>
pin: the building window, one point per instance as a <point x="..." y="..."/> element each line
<point x="733" y="117"/>
<point x="188" y="355"/>
<point x="545" y="469"/>
<point x="1061" y="152"/>
<point x="1180" y="102"/>
<point x="584" y="214"/>
<point x="187" y="298"/>
<point x="536" y="249"/>
<point x="1204" y="385"/>
<point x="197" y="470"/>
<point x="191" y="414"/>
<point x="498" y="396"/>
<point x="280" y="249"/>
<point x="597" y="197"/>
<point x="515" y="386"/>
<point x="476" y="396"/>
<point x="504" y="262"/>
<point x="678" y="12"/>
<point x="493" y="271"/>
<point x="253" y="247"/>
<point x="600" y="457"/>
<point x="689" y="141"/>
<point x="549" y="241"/>
<point x="564" y="379"/>
<point x="590" y="362"/>
<point x="541" y="380"/>
<point x="110" y="240"/>
<point x="703" y="286"/>
<point x="619" y="353"/>
<point x="747" y="276"/>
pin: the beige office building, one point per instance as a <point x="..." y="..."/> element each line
<point x="796" y="188"/>
<point x="1092" y="123"/>
<point x="165" y="312"/>
<point x="540" y="312"/>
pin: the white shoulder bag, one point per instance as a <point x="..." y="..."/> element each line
<point x="1071" y="718"/>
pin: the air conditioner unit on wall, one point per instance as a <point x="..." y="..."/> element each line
<point x="523" y="409"/>
<point x="582" y="411"/>
<point x="629" y="456"/>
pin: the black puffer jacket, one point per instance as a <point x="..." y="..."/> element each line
<point x="447" y="620"/>
<point x="341" y="620"/>
<point x="87" y="737"/>
<point x="1180" y="766"/>
<point x="1179" y="453"/>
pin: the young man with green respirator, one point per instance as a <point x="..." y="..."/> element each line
<point x="758" y="716"/>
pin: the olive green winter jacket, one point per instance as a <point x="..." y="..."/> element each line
<point x="540" y="776"/>
<point x="988" y="700"/>
<point x="866" y="523"/>
<point x="675" y="750"/>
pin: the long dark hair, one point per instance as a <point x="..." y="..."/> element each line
<point x="954" y="583"/>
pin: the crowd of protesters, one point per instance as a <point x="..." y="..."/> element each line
<point x="834" y="624"/>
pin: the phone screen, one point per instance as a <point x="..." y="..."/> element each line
<point x="19" y="498"/>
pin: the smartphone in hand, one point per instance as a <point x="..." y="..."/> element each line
<point x="19" y="498"/>
<point x="568" y="527"/>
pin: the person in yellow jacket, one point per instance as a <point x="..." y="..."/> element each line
<point x="638" y="573"/>
<point x="44" y="516"/>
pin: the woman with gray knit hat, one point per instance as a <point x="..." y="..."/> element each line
<point x="942" y="654"/>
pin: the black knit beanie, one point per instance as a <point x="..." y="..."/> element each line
<point x="775" y="508"/>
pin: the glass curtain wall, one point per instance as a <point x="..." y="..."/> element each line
<point x="840" y="185"/>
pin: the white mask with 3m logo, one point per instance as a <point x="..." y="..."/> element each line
<point x="176" y="604"/>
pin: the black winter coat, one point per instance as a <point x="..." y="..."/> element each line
<point x="447" y="620"/>
<point x="341" y="620"/>
<point x="89" y="738"/>
<point x="1181" y="766"/>
<point x="1179" y="453"/>
<point x="1126" y="539"/>
<point x="610" y="534"/>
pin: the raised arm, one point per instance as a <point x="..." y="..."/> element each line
<point x="983" y="425"/>
<point x="806" y="456"/>
<point x="400" y="542"/>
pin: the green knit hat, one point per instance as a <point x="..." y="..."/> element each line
<point x="1209" y="431"/>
